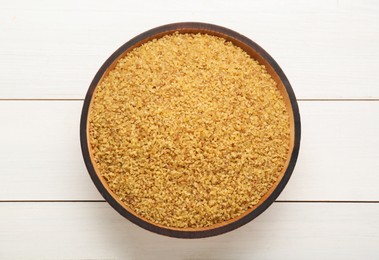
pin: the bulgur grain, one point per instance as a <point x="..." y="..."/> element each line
<point x="188" y="130"/>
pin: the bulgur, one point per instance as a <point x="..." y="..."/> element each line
<point x="188" y="130"/>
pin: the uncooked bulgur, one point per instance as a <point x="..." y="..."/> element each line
<point x="188" y="130"/>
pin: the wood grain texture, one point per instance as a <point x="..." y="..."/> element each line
<point x="328" y="49"/>
<point x="338" y="153"/>
<point x="40" y="141"/>
<point x="52" y="50"/>
<point x="96" y="231"/>
<point x="40" y="144"/>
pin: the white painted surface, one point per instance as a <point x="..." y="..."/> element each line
<point x="339" y="151"/>
<point x="40" y="141"/>
<point x="328" y="49"/>
<point x="51" y="50"/>
<point x="95" y="231"/>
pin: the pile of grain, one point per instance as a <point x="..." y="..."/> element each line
<point x="188" y="130"/>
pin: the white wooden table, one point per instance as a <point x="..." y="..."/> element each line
<point x="49" y="53"/>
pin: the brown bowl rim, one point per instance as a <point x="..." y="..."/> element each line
<point x="166" y="230"/>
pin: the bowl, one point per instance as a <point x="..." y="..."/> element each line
<point x="257" y="53"/>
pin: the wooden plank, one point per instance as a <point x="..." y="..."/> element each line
<point x="42" y="159"/>
<point x="96" y="231"/>
<point x="328" y="49"/>
<point x="338" y="152"/>
<point x="41" y="153"/>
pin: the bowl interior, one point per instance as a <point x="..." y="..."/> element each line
<point x="256" y="53"/>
